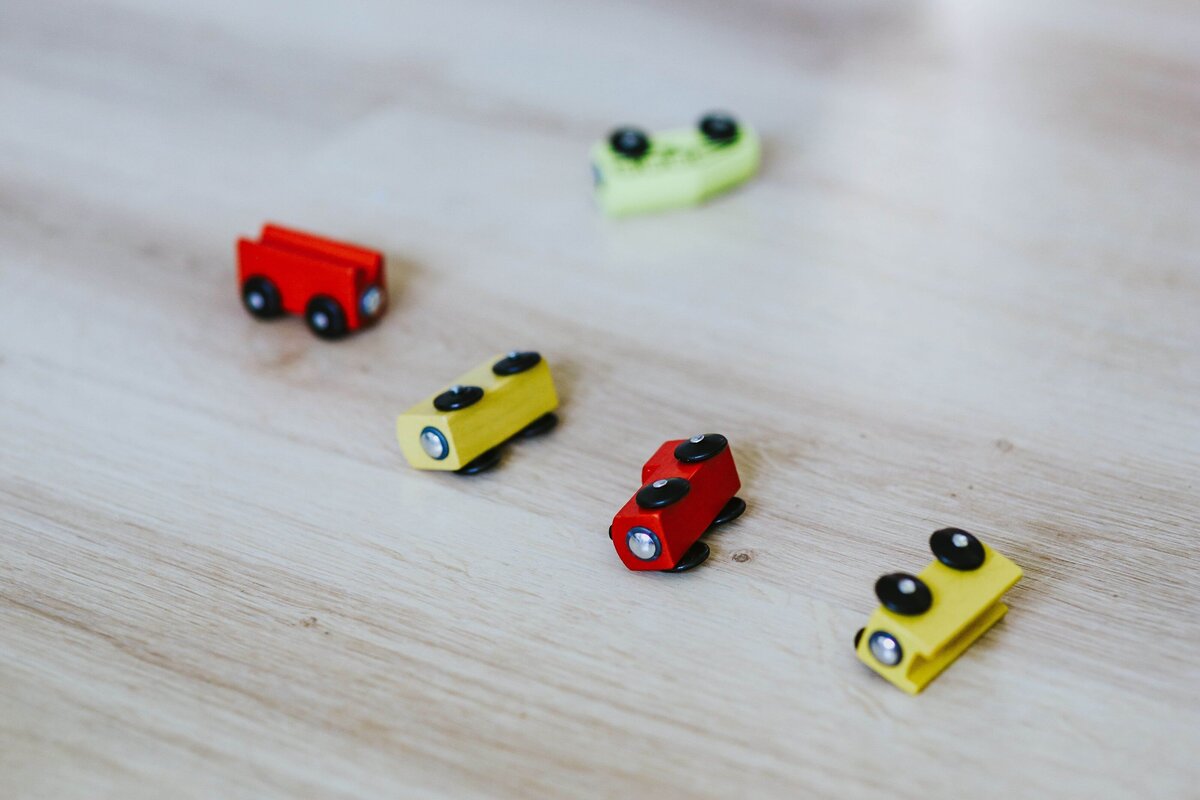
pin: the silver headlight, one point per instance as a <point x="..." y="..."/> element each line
<point x="371" y="301"/>
<point x="434" y="443"/>
<point x="885" y="648"/>
<point x="643" y="543"/>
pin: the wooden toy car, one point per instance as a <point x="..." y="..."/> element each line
<point x="634" y="173"/>
<point x="461" y="428"/>
<point x="928" y="620"/>
<point x="338" y="287"/>
<point x="689" y="487"/>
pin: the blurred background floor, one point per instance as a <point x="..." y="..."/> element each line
<point x="963" y="290"/>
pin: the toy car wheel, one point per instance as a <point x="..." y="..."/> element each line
<point x="957" y="549"/>
<point x="516" y="362"/>
<point x="858" y="637"/>
<point x="662" y="492"/>
<point x="261" y="297"/>
<point x="481" y="463"/>
<point x="701" y="448"/>
<point x="732" y="510"/>
<point x="696" y="555"/>
<point x="543" y="424"/>
<point x="719" y="128"/>
<point x="629" y="142"/>
<point x="903" y="594"/>
<point x="457" y="397"/>
<point x="325" y="317"/>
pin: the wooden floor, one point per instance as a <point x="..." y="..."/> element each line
<point x="964" y="290"/>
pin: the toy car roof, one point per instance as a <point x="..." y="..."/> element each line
<point x="286" y="239"/>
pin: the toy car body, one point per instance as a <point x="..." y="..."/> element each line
<point x="461" y="428"/>
<point x="689" y="485"/>
<point x="635" y="173"/>
<point x="928" y="620"/>
<point x="338" y="287"/>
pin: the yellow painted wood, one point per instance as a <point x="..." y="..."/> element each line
<point x="682" y="168"/>
<point x="965" y="604"/>
<point x="509" y="404"/>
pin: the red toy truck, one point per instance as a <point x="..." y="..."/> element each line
<point x="338" y="287"/>
<point x="690" y="486"/>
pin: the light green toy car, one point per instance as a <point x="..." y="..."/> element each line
<point x="635" y="174"/>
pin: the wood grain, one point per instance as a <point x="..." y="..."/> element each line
<point x="963" y="290"/>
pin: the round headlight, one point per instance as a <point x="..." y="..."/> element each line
<point x="372" y="301"/>
<point x="885" y="648"/>
<point x="434" y="444"/>
<point x="643" y="543"/>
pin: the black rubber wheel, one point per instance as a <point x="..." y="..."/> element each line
<point x="261" y="297"/>
<point x="541" y="425"/>
<point x="663" y="492"/>
<point x="696" y="555"/>
<point x="480" y="463"/>
<point x="457" y="397"/>
<point x="858" y="637"/>
<point x="903" y="593"/>
<point x="516" y="362"/>
<point x="957" y="549"/>
<point x="629" y="142"/>
<point x="719" y="128"/>
<point x="701" y="448"/>
<point x="610" y="533"/>
<point x="732" y="510"/>
<point x="325" y="317"/>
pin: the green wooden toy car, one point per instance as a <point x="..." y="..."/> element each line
<point x="635" y="173"/>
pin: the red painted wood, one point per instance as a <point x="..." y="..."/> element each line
<point x="302" y="266"/>
<point x="713" y="484"/>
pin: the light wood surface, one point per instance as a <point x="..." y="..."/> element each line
<point x="964" y="290"/>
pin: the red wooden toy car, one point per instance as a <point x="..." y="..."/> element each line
<point x="338" y="287"/>
<point x="690" y="486"/>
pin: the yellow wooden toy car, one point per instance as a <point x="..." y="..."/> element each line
<point x="635" y="173"/>
<point x="461" y="428"/>
<point x="928" y="620"/>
